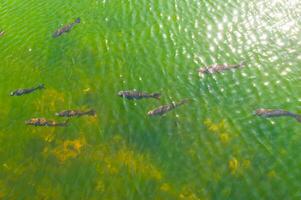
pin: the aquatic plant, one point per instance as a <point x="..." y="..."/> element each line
<point x="67" y="149"/>
<point x="122" y="156"/>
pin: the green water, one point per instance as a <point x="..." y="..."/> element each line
<point x="212" y="148"/>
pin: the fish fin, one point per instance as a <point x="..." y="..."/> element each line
<point x="77" y="20"/>
<point x="156" y="95"/>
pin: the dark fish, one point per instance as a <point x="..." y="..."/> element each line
<point x="66" y="28"/>
<point x="219" y="68"/>
<point x="276" y="113"/>
<point x="75" y="113"/>
<point x="138" y="95"/>
<point x="20" y="92"/>
<point x="166" y="108"/>
<point x="2" y="33"/>
<point x="44" y="122"/>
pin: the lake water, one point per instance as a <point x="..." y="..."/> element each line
<point x="211" y="148"/>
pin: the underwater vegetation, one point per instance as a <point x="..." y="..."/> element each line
<point x="87" y="88"/>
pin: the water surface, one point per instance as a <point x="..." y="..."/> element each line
<point x="212" y="148"/>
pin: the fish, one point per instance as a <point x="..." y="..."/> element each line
<point x="166" y="108"/>
<point x="262" y="112"/>
<point x="66" y="28"/>
<point x="44" y="122"/>
<point x="138" y="95"/>
<point x="2" y="33"/>
<point x="219" y="68"/>
<point x="75" y="113"/>
<point x="20" y="92"/>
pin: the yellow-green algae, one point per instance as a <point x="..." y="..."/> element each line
<point x="211" y="148"/>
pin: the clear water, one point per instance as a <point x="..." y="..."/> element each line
<point x="212" y="148"/>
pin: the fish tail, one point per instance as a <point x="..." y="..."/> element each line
<point x="156" y="95"/>
<point x="91" y="112"/>
<point x="242" y="63"/>
<point x="65" y="123"/>
<point x="202" y="70"/>
<point x="56" y="34"/>
<point x="41" y="86"/>
<point x="184" y="101"/>
<point x="298" y="118"/>
<point x="77" y="20"/>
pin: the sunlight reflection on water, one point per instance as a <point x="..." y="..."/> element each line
<point x="151" y="46"/>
